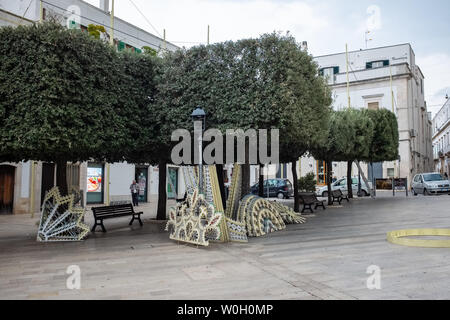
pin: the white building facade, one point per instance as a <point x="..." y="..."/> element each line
<point x="441" y="139"/>
<point x="370" y="73"/>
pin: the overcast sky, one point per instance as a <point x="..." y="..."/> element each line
<point x="326" y="24"/>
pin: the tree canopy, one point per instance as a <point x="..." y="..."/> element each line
<point x="385" y="143"/>
<point x="67" y="96"/>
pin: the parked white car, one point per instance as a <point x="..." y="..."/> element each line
<point x="342" y="185"/>
<point x="430" y="183"/>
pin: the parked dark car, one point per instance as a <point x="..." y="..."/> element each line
<point x="280" y="188"/>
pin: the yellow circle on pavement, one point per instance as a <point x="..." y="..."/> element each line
<point x="400" y="237"/>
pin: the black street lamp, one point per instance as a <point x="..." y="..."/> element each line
<point x="199" y="115"/>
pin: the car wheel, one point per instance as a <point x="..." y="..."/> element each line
<point x="325" y="194"/>
<point x="414" y="192"/>
<point x="364" y="193"/>
<point x="280" y="195"/>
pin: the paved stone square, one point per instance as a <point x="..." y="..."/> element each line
<point x="326" y="258"/>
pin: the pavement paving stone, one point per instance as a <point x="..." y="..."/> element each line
<point x="326" y="258"/>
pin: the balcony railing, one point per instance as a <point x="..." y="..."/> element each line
<point x="369" y="74"/>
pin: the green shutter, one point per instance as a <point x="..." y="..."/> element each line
<point x="138" y="50"/>
<point x="121" y="46"/>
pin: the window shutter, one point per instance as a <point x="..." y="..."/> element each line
<point x="335" y="70"/>
<point x="385" y="63"/>
<point x="369" y="65"/>
<point x="121" y="46"/>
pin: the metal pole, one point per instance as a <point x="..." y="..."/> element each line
<point x="406" y="186"/>
<point x="41" y="12"/>
<point x="111" y="40"/>
<point x="207" y="41"/>
<point x="33" y="173"/>
<point x="348" y="82"/>
<point x="107" y="183"/>
<point x="164" y="36"/>
<point x="359" y="181"/>
<point x="200" y="165"/>
<point x="393" y="186"/>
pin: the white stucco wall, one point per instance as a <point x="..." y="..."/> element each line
<point x="121" y="176"/>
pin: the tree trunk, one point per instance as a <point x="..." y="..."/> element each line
<point x="219" y="171"/>
<point x="245" y="179"/>
<point x="246" y="172"/>
<point x="295" y="178"/>
<point x="61" y="177"/>
<point x="329" y="166"/>
<point x="261" y="181"/>
<point x="349" y="179"/>
<point x="162" y="191"/>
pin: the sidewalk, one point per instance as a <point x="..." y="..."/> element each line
<point x="325" y="258"/>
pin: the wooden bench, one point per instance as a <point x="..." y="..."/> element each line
<point x="310" y="199"/>
<point x="109" y="212"/>
<point x="338" y="196"/>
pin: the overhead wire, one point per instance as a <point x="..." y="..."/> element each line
<point x="148" y="21"/>
<point x="102" y="24"/>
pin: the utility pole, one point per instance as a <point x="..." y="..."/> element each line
<point x="348" y="82"/>
<point x="111" y="40"/>
<point x="41" y="12"/>
<point x="164" y="36"/>
<point x="393" y="111"/>
<point x="365" y="37"/>
<point x="207" y="41"/>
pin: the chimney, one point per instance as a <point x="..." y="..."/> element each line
<point x="104" y="5"/>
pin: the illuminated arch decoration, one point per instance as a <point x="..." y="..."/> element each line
<point x="401" y="237"/>
<point x="288" y="215"/>
<point x="200" y="218"/>
<point x="60" y="219"/>
<point x="194" y="221"/>
<point x="260" y="216"/>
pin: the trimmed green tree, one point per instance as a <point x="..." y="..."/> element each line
<point x="59" y="98"/>
<point x="337" y="143"/>
<point x="359" y="135"/>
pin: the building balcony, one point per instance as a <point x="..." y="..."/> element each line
<point x="370" y="74"/>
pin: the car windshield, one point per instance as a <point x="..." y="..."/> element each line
<point x="432" y="177"/>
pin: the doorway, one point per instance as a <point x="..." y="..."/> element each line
<point x="375" y="171"/>
<point x="48" y="179"/>
<point x="141" y="177"/>
<point x="7" y="174"/>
